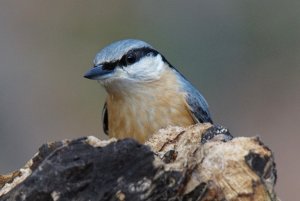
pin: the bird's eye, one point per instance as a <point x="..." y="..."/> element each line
<point x="130" y="58"/>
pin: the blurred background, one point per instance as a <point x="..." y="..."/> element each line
<point x="244" y="56"/>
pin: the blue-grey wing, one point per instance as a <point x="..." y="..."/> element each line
<point x="105" y="119"/>
<point x="196" y="102"/>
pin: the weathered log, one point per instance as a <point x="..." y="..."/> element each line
<point x="202" y="162"/>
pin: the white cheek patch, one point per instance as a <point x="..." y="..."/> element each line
<point x="148" y="68"/>
<point x="120" y="73"/>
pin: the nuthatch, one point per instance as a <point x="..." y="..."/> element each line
<point x="145" y="92"/>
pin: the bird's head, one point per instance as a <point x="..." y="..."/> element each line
<point x="128" y="60"/>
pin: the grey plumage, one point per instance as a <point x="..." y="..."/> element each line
<point x="195" y="100"/>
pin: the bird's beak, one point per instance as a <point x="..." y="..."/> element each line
<point x="96" y="73"/>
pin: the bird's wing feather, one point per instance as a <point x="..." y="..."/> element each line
<point x="105" y="119"/>
<point x="196" y="102"/>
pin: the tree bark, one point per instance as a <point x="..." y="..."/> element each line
<point x="201" y="162"/>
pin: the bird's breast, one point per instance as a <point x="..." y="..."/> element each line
<point x="146" y="108"/>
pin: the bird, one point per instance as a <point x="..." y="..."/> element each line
<point x="144" y="91"/>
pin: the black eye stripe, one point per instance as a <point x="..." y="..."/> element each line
<point x="138" y="53"/>
<point x="110" y="65"/>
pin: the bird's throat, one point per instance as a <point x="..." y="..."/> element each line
<point x="140" y="111"/>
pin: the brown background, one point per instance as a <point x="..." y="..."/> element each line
<point x="243" y="55"/>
